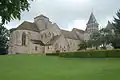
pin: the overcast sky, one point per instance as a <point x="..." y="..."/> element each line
<point x="70" y="14"/>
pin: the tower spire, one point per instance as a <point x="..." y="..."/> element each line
<point x="92" y="10"/>
<point x="92" y="19"/>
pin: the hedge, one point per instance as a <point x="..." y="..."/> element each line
<point x="52" y="54"/>
<point x="92" y="54"/>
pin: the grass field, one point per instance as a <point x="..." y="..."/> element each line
<point x="36" y="67"/>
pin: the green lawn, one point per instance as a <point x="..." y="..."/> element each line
<point x="36" y="67"/>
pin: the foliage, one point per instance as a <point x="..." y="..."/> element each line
<point x="106" y="36"/>
<point x="83" y="45"/>
<point x="94" y="40"/>
<point x="92" y="54"/>
<point x="116" y="22"/>
<point x="4" y="35"/>
<point x="11" y="9"/>
<point x="101" y="38"/>
<point x="116" y="42"/>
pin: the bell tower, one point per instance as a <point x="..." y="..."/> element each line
<point x="92" y="26"/>
<point x="41" y="22"/>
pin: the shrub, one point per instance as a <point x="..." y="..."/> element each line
<point x="92" y="54"/>
<point x="52" y="54"/>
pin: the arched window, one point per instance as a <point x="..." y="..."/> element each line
<point x="23" y="39"/>
<point x="36" y="48"/>
<point x="41" y="36"/>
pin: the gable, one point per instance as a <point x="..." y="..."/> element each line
<point x="28" y="26"/>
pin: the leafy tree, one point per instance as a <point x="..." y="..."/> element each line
<point x="94" y="40"/>
<point x="101" y="38"/>
<point x="83" y="45"/>
<point x="106" y="37"/>
<point x="11" y="9"/>
<point x="4" y="36"/>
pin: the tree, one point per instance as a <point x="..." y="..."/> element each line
<point x="83" y="45"/>
<point x="106" y="37"/>
<point x="116" y="23"/>
<point x="11" y="9"/>
<point x="116" y="43"/>
<point x="4" y="36"/>
<point x="94" y="40"/>
<point x="101" y="38"/>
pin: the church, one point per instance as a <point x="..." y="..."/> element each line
<point x="43" y="36"/>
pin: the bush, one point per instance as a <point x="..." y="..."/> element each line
<point x="52" y="54"/>
<point x="92" y="54"/>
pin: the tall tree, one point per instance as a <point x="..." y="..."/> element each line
<point x="116" y="23"/>
<point x="82" y="45"/>
<point x="4" y="36"/>
<point x="11" y="9"/>
<point x="101" y="38"/>
<point x="107" y="36"/>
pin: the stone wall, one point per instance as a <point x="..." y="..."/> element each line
<point x="73" y="44"/>
<point x="15" y="43"/>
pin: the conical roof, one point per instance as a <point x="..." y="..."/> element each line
<point x="92" y="19"/>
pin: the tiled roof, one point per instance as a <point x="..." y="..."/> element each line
<point x="28" y="26"/>
<point x="69" y="34"/>
<point x="92" y="19"/>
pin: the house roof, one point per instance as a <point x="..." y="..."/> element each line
<point x="28" y="26"/>
<point x="69" y="34"/>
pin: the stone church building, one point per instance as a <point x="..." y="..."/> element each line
<point x="43" y="36"/>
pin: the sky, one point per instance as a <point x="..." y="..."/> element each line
<point x="70" y="14"/>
